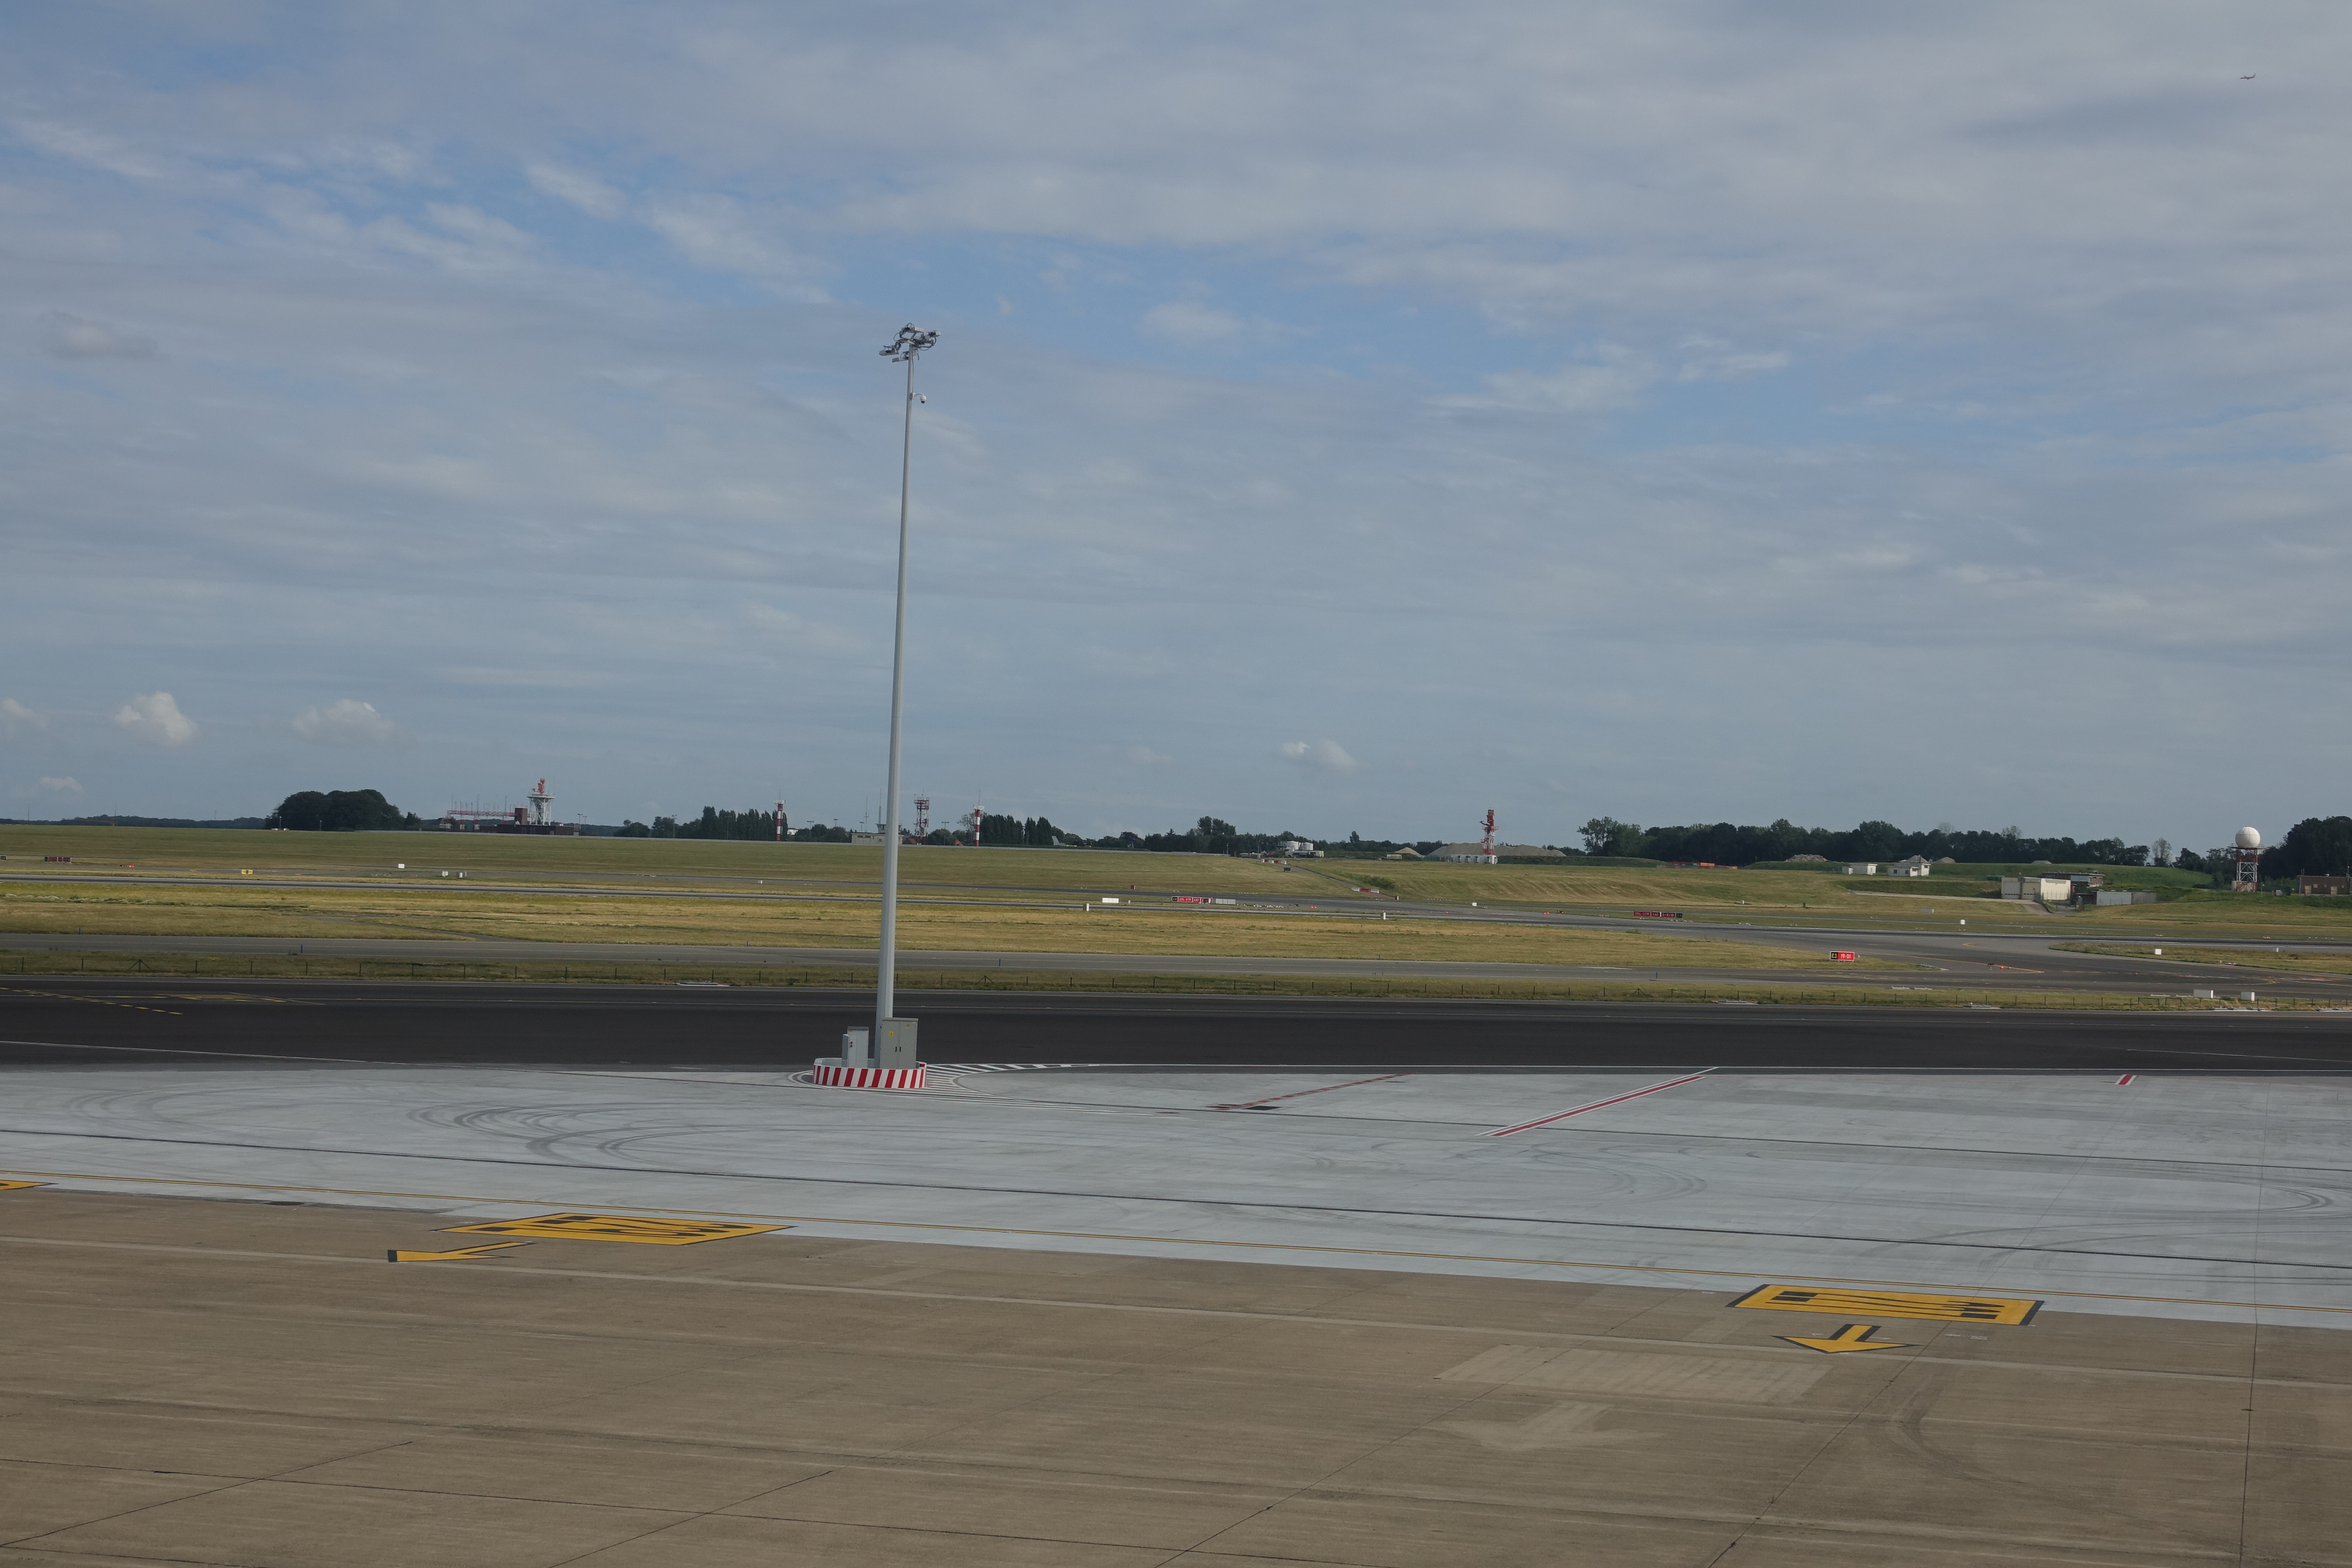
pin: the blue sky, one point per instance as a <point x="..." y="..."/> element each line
<point x="1347" y="416"/>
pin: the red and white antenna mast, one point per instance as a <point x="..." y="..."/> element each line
<point x="1487" y="845"/>
<point x="922" y="817"/>
<point x="974" y="819"/>
<point x="779" y="822"/>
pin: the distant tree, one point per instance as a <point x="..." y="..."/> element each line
<point x="337" y="811"/>
<point x="1607" y="836"/>
<point x="2316" y="846"/>
<point x="629" y="829"/>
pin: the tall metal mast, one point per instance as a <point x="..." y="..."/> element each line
<point x="905" y="346"/>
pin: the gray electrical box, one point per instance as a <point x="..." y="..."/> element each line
<point x="897" y="1046"/>
<point x="856" y="1051"/>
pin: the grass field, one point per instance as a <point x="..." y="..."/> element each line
<point x="446" y="911"/>
<point x="1618" y="887"/>
<point x="1764" y="896"/>
<point x="213" y="850"/>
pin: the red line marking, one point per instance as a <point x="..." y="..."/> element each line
<point x="2125" y="1079"/>
<point x="1269" y="1100"/>
<point x="1581" y="1110"/>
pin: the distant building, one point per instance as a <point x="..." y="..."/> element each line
<point x="2037" y="889"/>
<point x="869" y="838"/>
<point x="2324" y="885"/>
<point x="1299" y="850"/>
<point x="1466" y="854"/>
<point x="1526" y="852"/>
<point x="1862" y="869"/>
<point x="1916" y="866"/>
<point x="2106" y="898"/>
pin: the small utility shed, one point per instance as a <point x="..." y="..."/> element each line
<point x="2038" y="890"/>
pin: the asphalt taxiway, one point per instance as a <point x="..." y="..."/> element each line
<point x="63" y="1019"/>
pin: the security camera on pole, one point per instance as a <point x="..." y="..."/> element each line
<point x="886" y="1059"/>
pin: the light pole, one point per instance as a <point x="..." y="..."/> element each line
<point x="893" y="1037"/>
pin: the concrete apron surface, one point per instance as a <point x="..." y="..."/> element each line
<point x="209" y="1381"/>
<point x="2212" y="1198"/>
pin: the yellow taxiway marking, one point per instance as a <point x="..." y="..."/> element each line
<point x="393" y="1255"/>
<point x="1851" y="1337"/>
<point x="786" y="1222"/>
<point x="1892" y="1304"/>
<point x="12" y="1187"/>
<point x="94" y="1001"/>
<point x="617" y="1227"/>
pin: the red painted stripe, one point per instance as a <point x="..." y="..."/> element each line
<point x="2125" y="1079"/>
<point x="1269" y="1100"/>
<point x="1581" y="1110"/>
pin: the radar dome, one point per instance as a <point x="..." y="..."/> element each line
<point x="2249" y="839"/>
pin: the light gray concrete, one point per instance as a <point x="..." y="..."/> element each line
<point x="2218" y="1198"/>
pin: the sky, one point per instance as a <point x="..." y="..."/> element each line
<point x="1345" y="416"/>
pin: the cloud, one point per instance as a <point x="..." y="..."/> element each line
<point x="589" y="193"/>
<point x="344" y="722"/>
<point x="815" y="636"/>
<point x="712" y="231"/>
<point x="70" y="337"/>
<point x="15" y="716"/>
<point x="155" y="718"/>
<point x="1325" y="756"/>
<point x="62" y="786"/>
<point x="1189" y="322"/>
<point x="1617" y="382"/>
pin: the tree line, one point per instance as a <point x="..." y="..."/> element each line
<point x="340" y="811"/>
<point x="2316" y="846"/>
<point x="1727" y="845"/>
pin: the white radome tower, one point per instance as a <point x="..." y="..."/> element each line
<point x="2246" y="862"/>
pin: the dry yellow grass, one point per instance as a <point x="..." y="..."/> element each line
<point x="212" y="851"/>
<point x="200" y="909"/>
<point x="1792" y="991"/>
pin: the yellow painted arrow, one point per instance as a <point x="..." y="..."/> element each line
<point x="1851" y="1337"/>
<point x="396" y="1256"/>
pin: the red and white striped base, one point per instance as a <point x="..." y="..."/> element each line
<point x="833" y="1075"/>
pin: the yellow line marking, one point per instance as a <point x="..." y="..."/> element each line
<point x="1849" y="1337"/>
<point x="2011" y="1310"/>
<point x="393" y="1255"/>
<point x="97" y="1000"/>
<point x="794" y="1219"/>
<point x="18" y="1186"/>
<point x="617" y="1227"/>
